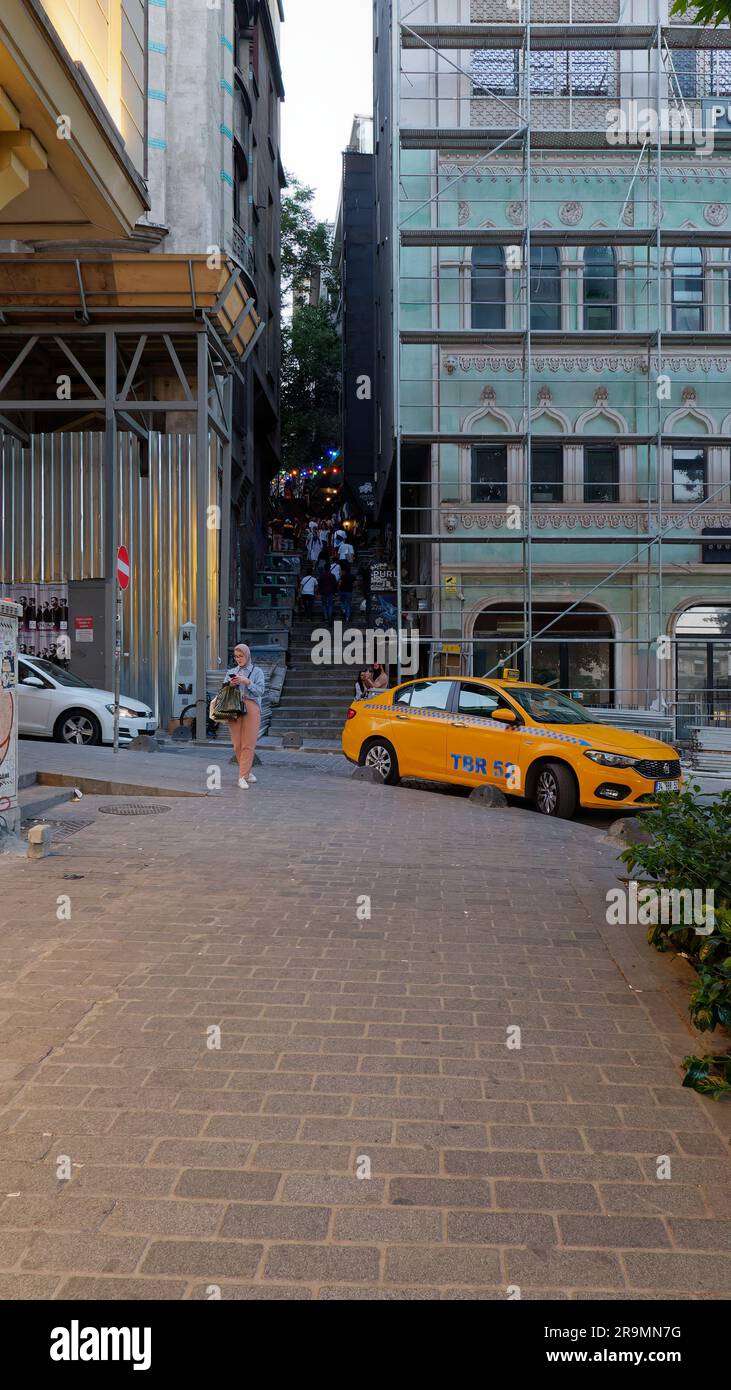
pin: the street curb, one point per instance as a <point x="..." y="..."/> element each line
<point x="100" y="786"/>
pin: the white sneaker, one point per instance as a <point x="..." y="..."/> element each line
<point x="252" y="777"/>
<point x="243" y="784"/>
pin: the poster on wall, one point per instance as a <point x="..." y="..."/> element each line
<point x="43" y="624"/>
<point x="8" y="714"/>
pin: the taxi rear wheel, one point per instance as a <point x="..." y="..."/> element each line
<point x="379" y="754"/>
<point x="555" y="791"/>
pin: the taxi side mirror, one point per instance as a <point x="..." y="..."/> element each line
<point x="505" y="716"/>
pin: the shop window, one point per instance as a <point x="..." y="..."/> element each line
<point x="689" y="475"/>
<point x="545" y="288"/>
<point x="600" y="288"/>
<point x="547" y="473"/>
<point x="601" y="473"/>
<point x="489" y="478"/>
<point x="488" y="287"/>
<point x="687" y="299"/>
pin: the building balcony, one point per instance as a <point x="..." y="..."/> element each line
<point x="63" y="177"/>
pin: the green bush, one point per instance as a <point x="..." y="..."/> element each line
<point x="691" y="849"/>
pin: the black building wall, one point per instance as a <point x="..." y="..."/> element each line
<point x="358" y="326"/>
<point x="382" y="138"/>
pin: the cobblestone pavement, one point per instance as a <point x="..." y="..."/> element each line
<point x="355" y="1037"/>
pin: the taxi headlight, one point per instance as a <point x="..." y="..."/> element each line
<point x="610" y="759"/>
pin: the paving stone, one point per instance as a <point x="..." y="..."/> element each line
<point x="695" y="1274"/>
<point x="320" y="1263"/>
<point x="211" y="1258"/>
<point x="388" y="1225"/>
<point x="701" y="1235"/>
<point x="615" y="1232"/>
<point x="275" y="1222"/>
<point x="466" y="1265"/>
<point x="80" y="1289"/>
<point x="100" y="1254"/>
<point x="344" y="1040"/>
<point x="227" y="1184"/>
<point x="500" y="1228"/>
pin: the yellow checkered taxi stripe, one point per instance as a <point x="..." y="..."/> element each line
<point x="476" y="721"/>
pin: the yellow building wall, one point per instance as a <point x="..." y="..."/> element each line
<point x="108" y="38"/>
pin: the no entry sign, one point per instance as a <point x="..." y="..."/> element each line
<point x="123" y="567"/>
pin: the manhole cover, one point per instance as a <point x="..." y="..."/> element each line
<point x="134" y="808"/>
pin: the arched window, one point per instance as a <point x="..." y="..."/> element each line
<point x="600" y="288"/>
<point x="545" y="288"/>
<point x="488" y="287"/>
<point x="688" y="289"/>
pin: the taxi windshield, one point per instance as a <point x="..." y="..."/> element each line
<point x="549" y="707"/>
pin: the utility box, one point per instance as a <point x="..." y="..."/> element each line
<point x="90" y="633"/>
<point x="9" y="810"/>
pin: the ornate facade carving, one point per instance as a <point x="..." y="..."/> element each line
<point x="580" y="362"/>
<point x="715" y="214"/>
<point x="587" y="519"/>
<point x="571" y="213"/>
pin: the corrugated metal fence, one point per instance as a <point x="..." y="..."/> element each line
<point x="52" y="530"/>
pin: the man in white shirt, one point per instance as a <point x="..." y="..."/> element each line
<point x="346" y="551"/>
<point x="308" y="589"/>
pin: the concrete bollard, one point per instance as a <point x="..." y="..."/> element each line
<point x="39" y="841"/>
<point x="490" y="797"/>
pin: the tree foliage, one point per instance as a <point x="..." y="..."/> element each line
<point x="310" y="385"/>
<point x="710" y="12"/>
<point x="306" y="243"/>
<point x="310" y="342"/>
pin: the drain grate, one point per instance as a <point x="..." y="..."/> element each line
<point x="134" y="808"/>
<point x="61" y="829"/>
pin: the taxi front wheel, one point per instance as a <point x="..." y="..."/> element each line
<point x="381" y="756"/>
<point x="555" y="791"/>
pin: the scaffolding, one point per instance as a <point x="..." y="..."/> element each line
<point x="490" y="96"/>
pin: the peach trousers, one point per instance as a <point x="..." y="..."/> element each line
<point x="244" y="733"/>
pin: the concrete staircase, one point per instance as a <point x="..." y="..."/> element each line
<point x="315" y="699"/>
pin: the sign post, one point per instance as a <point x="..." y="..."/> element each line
<point x="9" y="812"/>
<point x="123" y="570"/>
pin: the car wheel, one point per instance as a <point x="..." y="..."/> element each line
<point x="381" y="756"/>
<point x="555" y="791"/>
<point x="77" y="726"/>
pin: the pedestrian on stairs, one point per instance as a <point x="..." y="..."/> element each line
<point x="245" y="728"/>
<point x="314" y="546"/>
<point x="346" y="551"/>
<point x="327" y="589"/>
<point x="347" y="582"/>
<point x="308" y="589"/>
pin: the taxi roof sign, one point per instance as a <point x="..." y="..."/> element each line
<point x="511" y="673"/>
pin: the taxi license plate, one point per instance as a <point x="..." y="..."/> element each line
<point x="666" y="786"/>
<point x="150" y="726"/>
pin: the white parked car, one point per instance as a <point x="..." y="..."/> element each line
<point x="54" y="704"/>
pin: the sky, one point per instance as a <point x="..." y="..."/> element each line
<point x="327" y="62"/>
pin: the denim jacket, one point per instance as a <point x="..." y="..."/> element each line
<point x="254" y="691"/>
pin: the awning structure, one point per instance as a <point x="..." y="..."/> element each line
<point x="133" y="345"/>
<point x="117" y="286"/>
<point x="80" y="187"/>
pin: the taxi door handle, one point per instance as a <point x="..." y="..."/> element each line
<point x="402" y="716"/>
<point x="458" y="723"/>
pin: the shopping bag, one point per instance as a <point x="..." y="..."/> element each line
<point x="227" y="704"/>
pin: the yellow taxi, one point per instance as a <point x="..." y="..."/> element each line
<point x="526" y="739"/>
